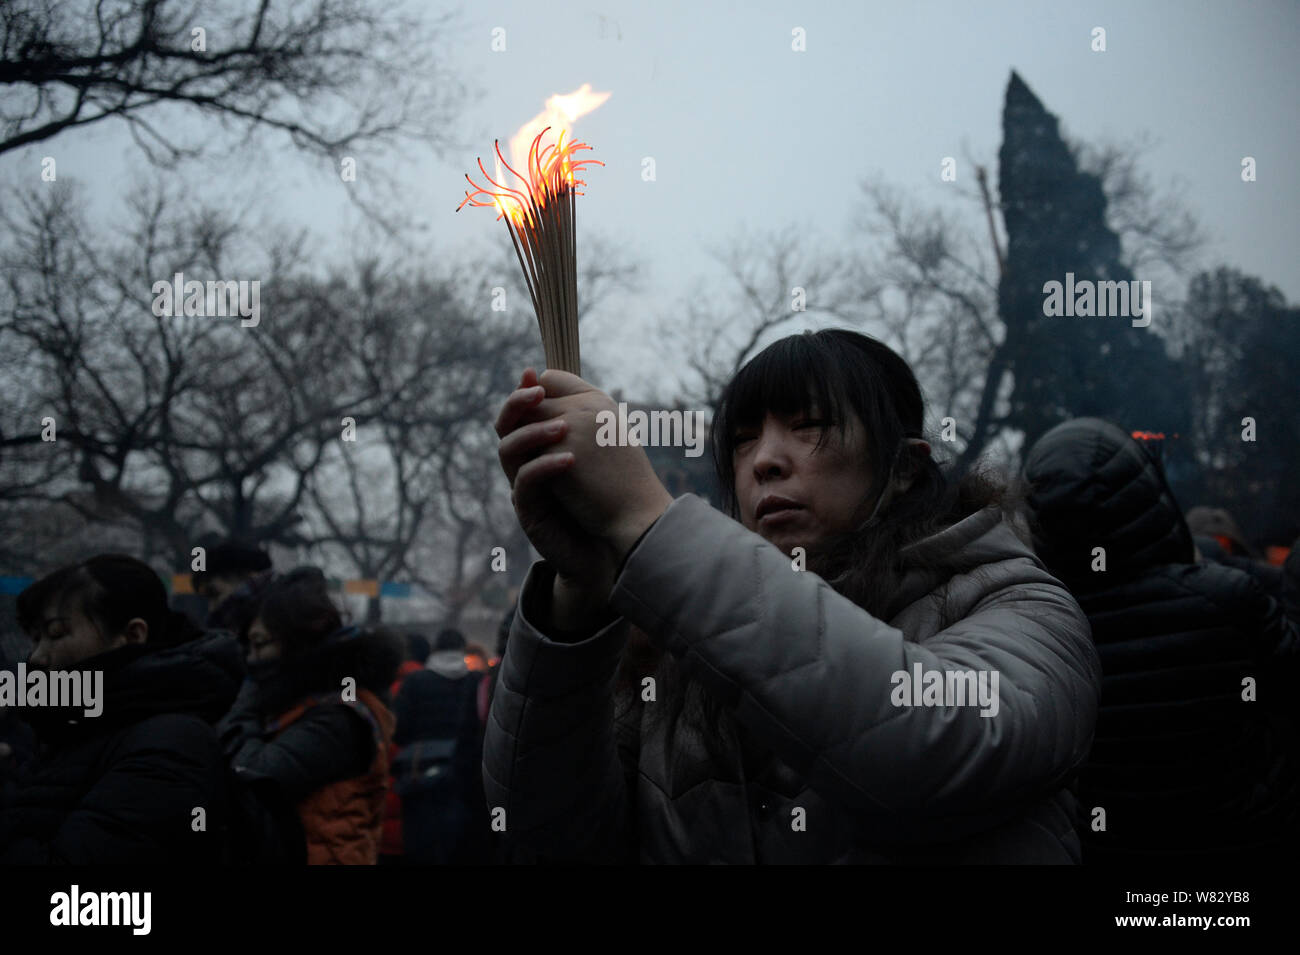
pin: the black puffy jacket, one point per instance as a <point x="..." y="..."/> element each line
<point x="123" y="787"/>
<point x="1182" y="762"/>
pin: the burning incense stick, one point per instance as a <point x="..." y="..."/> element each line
<point x="540" y="217"/>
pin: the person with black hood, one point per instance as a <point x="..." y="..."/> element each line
<point x="1193" y="754"/>
<point x="314" y="716"/>
<point x="125" y="786"/>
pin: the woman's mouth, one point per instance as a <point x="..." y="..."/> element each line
<point x="774" y="510"/>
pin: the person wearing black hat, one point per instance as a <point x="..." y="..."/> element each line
<point x="235" y="576"/>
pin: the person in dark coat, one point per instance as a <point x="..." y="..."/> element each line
<point x="687" y="685"/>
<point x="1193" y="754"/>
<point x="1219" y="538"/>
<point x="232" y="582"/>
<point x="314" y="716"/>
<point x="438" y="768"/>
<point x="390" y="848"/>
<point x="144" y="782"/>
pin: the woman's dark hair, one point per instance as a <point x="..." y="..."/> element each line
<point x="298" y="611"/>
<point x="838" y="373"/>
<point x="833" y="374"/>
<point x="111" y="590"/>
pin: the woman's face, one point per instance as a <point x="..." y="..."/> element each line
<point x="262" y="645"/>
<point x="794" y="493"/>
<point x="65" y="637"/>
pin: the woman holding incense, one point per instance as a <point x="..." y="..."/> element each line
<point x="859" y="662"/>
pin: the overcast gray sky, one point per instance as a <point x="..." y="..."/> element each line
<point x="749" y="135"/>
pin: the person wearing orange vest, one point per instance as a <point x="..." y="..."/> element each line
<point x="314" y="716"/>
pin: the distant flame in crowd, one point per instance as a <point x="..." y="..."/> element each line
<point x="1151" y="435"/>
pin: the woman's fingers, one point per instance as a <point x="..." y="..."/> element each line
<point x="516" y="407"/>
<point x="560" y="383"/>
<point x="528" y="401"/>
<point x="521" y="444"/>
<point x="530" y="481"/>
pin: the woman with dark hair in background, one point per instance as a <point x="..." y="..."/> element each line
<point x="762" y="719"/>
<point x="314" y="716"/>
<point x="123" y="786"/>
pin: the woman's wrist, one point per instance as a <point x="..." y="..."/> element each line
<point x="579" y="608"/>
<point x="630" y="531"/>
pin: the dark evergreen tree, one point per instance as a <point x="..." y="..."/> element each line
<point x="1239" y="344"/>
<point x="1065" y="367"/>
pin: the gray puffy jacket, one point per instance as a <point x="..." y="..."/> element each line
<point x="808" y="679"/>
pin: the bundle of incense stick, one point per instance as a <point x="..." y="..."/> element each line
<point x="540" y="217"/>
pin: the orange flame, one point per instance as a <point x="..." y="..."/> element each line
<point x="560" y="111"/>
<point x="548" y="170"/>
<point x="550" y="178"/>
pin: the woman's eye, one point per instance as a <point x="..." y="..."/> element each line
<point x="812" y="423"/>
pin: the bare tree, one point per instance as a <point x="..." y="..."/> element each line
<point x="942" y="277"/>
<point x="1161" y="239"/>
<point x="175" y="423"/>
<point x="330" y="75"/>
<point x="940" y="280"/>
<point x="926" y="283"/>
<point x="410" y="497"/>
<point x="771" y="281"/>
<point x="420" y="495"/>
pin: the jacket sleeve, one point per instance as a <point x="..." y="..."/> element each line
<point x="811" y="674"/>
<point x="1275" y="632"/>
<point x="550" y="757"/>
<point x="141" y="807"/>
<point x="327" y="743"/>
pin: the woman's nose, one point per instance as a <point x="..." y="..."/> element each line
<point x="771" y="453"/>
<point x="38" y="658"/>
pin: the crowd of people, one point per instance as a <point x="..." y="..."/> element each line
<point x="278" y="734"/>
<point x="682" y="683"/>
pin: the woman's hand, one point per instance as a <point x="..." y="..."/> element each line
<point x="583" y="506"/>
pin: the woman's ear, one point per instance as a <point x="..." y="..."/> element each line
<point x="915" y="451"/>
<point x="135" y="631"/>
